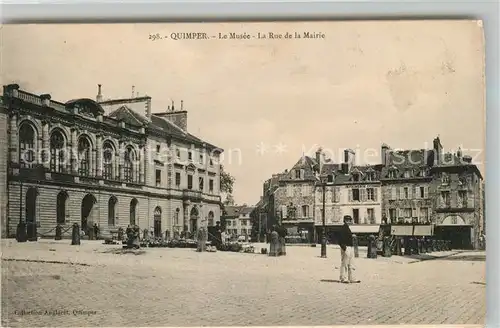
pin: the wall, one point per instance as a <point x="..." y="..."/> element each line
<point x="4" y="158"/>
<point x="298" y="194"/>
<point x="414" y="201"/>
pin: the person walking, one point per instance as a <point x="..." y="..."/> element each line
<point x="346" y="253"/>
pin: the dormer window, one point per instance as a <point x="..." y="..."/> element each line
<point x="178" y="153"/>
<point x="158" y="147"/>
<point x="392" y="174"/>
<point x="330" y="178"/>
<point x="406" y="174"/>
<point x="211" y="163"/>
<point x="370" y="176"/>
<point x="423" y="172"/>
<point x="355" y="177"/>
<point x="190" y="156"/>
<point x="445" y="179"/>
<point x="201" y="158"/>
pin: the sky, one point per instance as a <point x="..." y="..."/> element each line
<point x="267" y="102"/>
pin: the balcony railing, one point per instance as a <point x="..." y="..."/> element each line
<point x="192" y="195"/>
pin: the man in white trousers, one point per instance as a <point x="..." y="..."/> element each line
<point x="346" y="253"/>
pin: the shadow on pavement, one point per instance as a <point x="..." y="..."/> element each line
<point x="330" y="280"/>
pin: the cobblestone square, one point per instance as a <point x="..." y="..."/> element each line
<point x="94" y="285"/>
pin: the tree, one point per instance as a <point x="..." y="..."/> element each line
<point x="226" y="181"/>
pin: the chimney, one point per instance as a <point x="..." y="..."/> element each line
<point x="467" y="159"/>
<point x="148" y="108"/>
<point x="179" y="118"/>
<point x="348" y="160"/>
<point x="438" y="151"/>
<point x="384" y="153"/>
<point x="182" y="104"/>
<point x="133" y="91"/>
<point x="459" y="153"/>
<point x="319" y="159"/>
<point x="98" y="98"/>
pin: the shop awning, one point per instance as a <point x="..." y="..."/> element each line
<point x="364" y="228"/>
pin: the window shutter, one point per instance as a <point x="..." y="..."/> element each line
<point x="417" y="192"/>
<point x="401" y="193"/>
<point x="375" y="194"/>
<point x="284" y="211"/>
<point x="362" y="195"/>
<point x="393" y="193"/>
<point x="410" y="192"/>
<point x="398" y="213"/>
<point x="337" y="194"/>
<point x="426" y="192"/>
<point x="350" y="195"/>
<point x="413" y="212"/>
<point x="302" y="173"/>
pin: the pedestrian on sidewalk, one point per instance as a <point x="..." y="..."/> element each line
<point x="346" y="253"/>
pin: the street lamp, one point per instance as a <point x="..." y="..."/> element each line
<point x="323" y="232"/>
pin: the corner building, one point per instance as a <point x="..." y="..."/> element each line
<point x="112" y="163"/>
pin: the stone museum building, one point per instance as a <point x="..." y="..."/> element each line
<point x="110" y="163"/>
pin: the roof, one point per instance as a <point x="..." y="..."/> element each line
<point x="92" y="105"/>
<point x="305" y="163"/>
<point x="237" y="210"/>
<point x="158" y="124"/>
<point x="341" y="177"/>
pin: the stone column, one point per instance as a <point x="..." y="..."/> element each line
<point x="93" y="162"/>
<point x="13" y="140"/>
<point x="147" y="159"/>
<point x="121" y="156"/>
<point x="74" y="152"/>
<point x="185" y="212"/>
<point x="45" y="151"/>
<point x="99" y="156"/>
<point x="141" y="163"/>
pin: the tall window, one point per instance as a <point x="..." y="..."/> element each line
<point x="190" y="181"/>
<point x="356" y="195"/>
<point x="108" y="157"/>
<point x="112" y="211"/>
<point x="158" y="178"/>
<point x="370" y="194"/>
<point x="445" y="198"/>
<point x="305" y="211"/>
<point x="406" y="193"/>
<point x="371" y="215"/>
<point x="211" y="185"/>
<point x="26" y="145"/>
<point x="128" y="168"/>
<point x="210" y="219"/>
<point x="201" y="184"/>
<point x="177" y="179"/>
<point x="57" y="158"/>
<point x="84" y="156"/>
<point x="61" y="207"/>
<point x="462" y="198"/>
<point x="133" y="210"/>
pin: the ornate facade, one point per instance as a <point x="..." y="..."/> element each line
<point x="110" y="163"/>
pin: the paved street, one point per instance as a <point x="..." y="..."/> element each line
<point x="179" y="287"/>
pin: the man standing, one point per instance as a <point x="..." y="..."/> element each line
<point x="346" y="253"/>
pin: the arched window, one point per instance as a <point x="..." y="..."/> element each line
<point x="61" y="207"/>
<point x="112" y="210"/>
<point x="129" y="171"/>
<point x="108" y="155"/>
<point x="84" y="156"/>
<point x="26" y="145"/>
<point x="210" y="219"/>
<point x="176" y="218"/>
<point x="133" y="209"/>
<point x="305" y="211"/>
<point x="157" y="222"/>
<point x="57" y="152"/>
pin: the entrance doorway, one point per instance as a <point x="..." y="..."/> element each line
<point x="460" y="236"/>
<point x="355" y="215"/>
<point x="31" y="196"/>
<point x="88" y="203"/>
<point x="157" y="222"/>
<point x="194" y="214"/>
